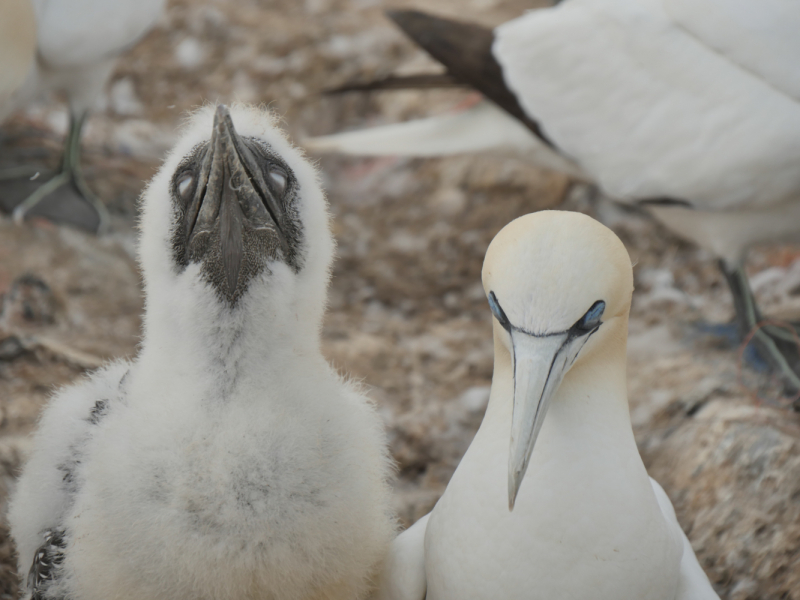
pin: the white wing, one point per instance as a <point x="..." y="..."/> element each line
<point x="403" y="577"/>
<point x="763" y="36"/>
<point x="694" y="584"/>
<point x="76" y="33"/>
<point x="647" y="109"/>
<point x="44" y="491"/>
<point x="483" y="128"/>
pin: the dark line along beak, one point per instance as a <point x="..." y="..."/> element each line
<point x="231" y="191"/>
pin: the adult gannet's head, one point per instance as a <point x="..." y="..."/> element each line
<point x="559" y="285"/>
<point x="235" y="221"/>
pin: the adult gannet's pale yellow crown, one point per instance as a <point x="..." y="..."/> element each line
<point x="566" y="508"/>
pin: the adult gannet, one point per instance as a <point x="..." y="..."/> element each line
<point x="690" y="107"/>
<point x="576" y="515"/>
<point x="228" y="461"/>
<point x="77" y="45"/>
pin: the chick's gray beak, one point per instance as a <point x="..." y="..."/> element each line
<point x="232" y="194"/>
<point x="540" y="363"/>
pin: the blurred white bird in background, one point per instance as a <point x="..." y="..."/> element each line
<point x="17" y="45"/>
<point x="566" y="509"/>
<point x="688" y="107"/>
<point x="77" y="43"/>
<point x="228" y="461"/>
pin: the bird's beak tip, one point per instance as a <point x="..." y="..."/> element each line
<point x="513" y="489"/>
<point x="221" y="112"/>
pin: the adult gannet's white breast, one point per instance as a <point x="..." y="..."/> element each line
<point x="551" y="499"/>
<point x="228" y="461"/>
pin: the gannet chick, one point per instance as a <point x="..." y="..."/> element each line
<point x="565" y="509"/>
<point x="229" y="460"/>
<point x="690" y="108"/>
<point x="77" y="44"/>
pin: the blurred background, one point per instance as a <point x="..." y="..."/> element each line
<point x="408" y="316"/>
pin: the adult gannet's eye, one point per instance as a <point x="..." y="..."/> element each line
<point x="184" y="184"/>
<point x="279" y="178"/>
<point x="591" y="319"/>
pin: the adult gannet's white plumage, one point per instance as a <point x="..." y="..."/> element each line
<point x="77" y="45"/>
<point x="576" y="515"/>
<point x="483" y="128"/>
<point x="690" y="107"/>
<point x="229" y="460"/>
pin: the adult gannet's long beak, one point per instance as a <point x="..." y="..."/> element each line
<point x="540" y="363"/>
<point x="232" y="192"/>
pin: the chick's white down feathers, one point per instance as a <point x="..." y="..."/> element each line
<point x="230" y="461"/>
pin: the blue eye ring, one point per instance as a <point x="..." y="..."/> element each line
<point x="591" y="320"/>
<point x="498" y="313"/>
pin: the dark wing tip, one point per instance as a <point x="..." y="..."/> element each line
<point x="399" y="15"/>
<point x="432" y="31"/>
<point x="406" y="82"/>
<point x="465" y="49"/>
<point x="664" y="201"/>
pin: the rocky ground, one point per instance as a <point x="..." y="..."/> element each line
<point x="407" y="315"/>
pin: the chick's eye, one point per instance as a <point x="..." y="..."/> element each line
<point x="184" y="185"/>
<point x="279" y="178"/>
